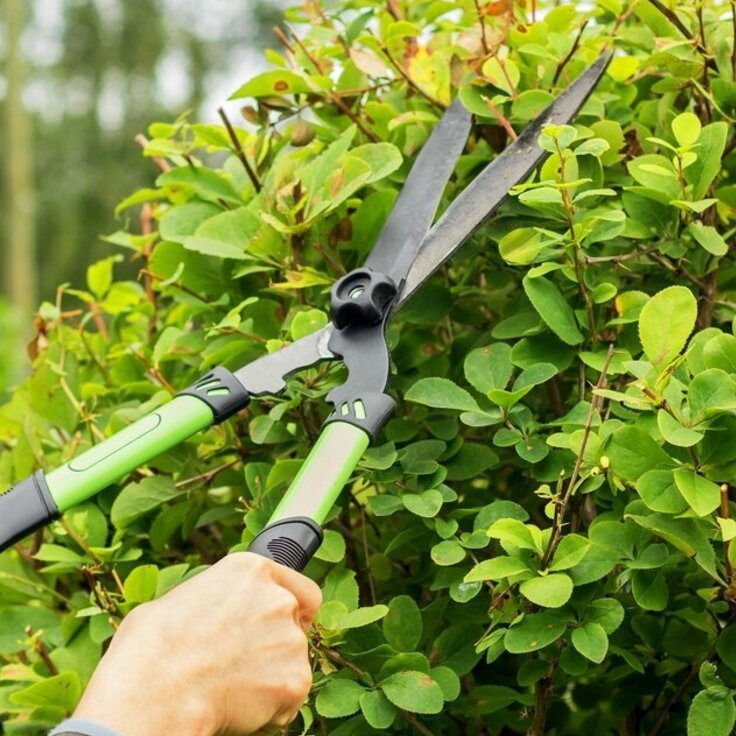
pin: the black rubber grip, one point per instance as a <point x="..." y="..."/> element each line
<point x="290" y="542"/>
<point x="26" y="507"/>
<point x="221" y="391"/>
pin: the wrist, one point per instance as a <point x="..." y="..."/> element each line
<point x="135" y="692"/>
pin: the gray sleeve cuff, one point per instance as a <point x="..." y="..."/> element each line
<point x="79" y="727"/>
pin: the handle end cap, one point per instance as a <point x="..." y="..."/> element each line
<point x="26" y="507"/>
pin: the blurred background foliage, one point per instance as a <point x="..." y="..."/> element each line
<point x="82" y="78"/>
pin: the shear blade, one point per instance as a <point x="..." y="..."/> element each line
<point x="482" y="197"/>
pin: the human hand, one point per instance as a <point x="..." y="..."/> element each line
<point x="223" y="653"/>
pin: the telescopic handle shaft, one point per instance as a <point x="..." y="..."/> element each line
<point x="293" y="533"/>
<point x="37" y="500"/>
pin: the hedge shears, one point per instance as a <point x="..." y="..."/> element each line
<point x="407" y="253"/>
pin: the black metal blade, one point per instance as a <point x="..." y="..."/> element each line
<point x="267" y="375"/>
<point x="482" y="197"/>
<point x="415" y="208"/>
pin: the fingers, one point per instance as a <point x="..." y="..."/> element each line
<point x="306" y="591"/>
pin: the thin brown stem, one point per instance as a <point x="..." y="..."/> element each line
<point x="570" y="54"/>
<point x="334" y="97"/>
<point x="726" y="514"/>
<point x="561" y="510"/>
<point x="207" y="477"/>
<point x="674" y="19"/>
<point x="542" y="695"/>
<point x="733" y="47"/>
<point x="482" y="21"/>
<point x="40" y="648"/>
<point x="239" y="152"/>
<point x="503" y="122"/>
<point x="400" y="69"/>
<point x="621" y="258"/>
<point x="160" y="162"/>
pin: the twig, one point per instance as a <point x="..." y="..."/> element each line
<point x="503" y="122"/>
<point x="570" y="53"/>
<point x="482" y="21"/>
<point x="239" y="149"/>
<point x="561" y="510"/>
<point x="400" y="69"/>
<point x="726" y="514"/>
<point x="335" y="98"/>
<point x="208" y="476"/>
<point x="147" y="230"/>
<point x="542" y="692"/>
<point x="40" y="648"/>
<point x="733" y="50"/>
<point x="673" y="18"/>
<point x="619" y="258"/>
<point x="161" y="162"/>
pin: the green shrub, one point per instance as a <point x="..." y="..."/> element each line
<point x="542" y="541"/>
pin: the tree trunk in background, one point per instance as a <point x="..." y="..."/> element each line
<point x="19" y="269"/>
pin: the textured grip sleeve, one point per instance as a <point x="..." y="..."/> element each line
<point x="26" y="507"/>
<point x="290" y="542"/>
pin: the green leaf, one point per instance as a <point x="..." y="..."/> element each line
<point x="711" y="145"/>
<point x="99" y="275"/>
<point x="711" y="392"/>
<point x="60" y="692"/>
<point x="726" y="646"/>
<point x="535" y="631"/>
<point x="553" y="309"/>
<point x="650" y="589"/>
<point x="708" y="237"/>
<point x="521" y="246"/>
<point x="658" y="491"/>
<point x="712" y="713"/>
<point x="306" y="322"/>
<point x="332" y="548"/>
<point x="632" y="452"/>
<point x="377" y="710"/>
<point x="497" y="569"/>
<point x="141" y="585"/>
<point x="205" y="183"/>
<point x="339" y="698"/>
<point x="675" y="307"/>
<point x="720" y="352"/>
<point x="415" y="692"/>
<point x="362" y="617"/>
<point x="273" y="83"/>
<point x="703" y="496"/>
<point x="441" y="393"/>
<point x="571" y="550"/>
<point x="513" y="531"/>
<point x="226" y="235"/>
<point x="448" y="680"/>
<point x="674" y="432"/>
<point x="591" y="641"/>
<point x="550" y="591"/>
<point x="504" y="74"/>
<point x="489" y="367"/>
<point x="402" y="625"/>
<point x="426" y="504"/>
<point x="686" y="128"/>
<point x="530" y="103"/>
<point x="137" y="499"/>
<point x="687" y="535"/>
<point x="607" y="612"/>
<point x="448" y="552"/>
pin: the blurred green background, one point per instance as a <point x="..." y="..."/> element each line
<point x="81" y="78"/>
